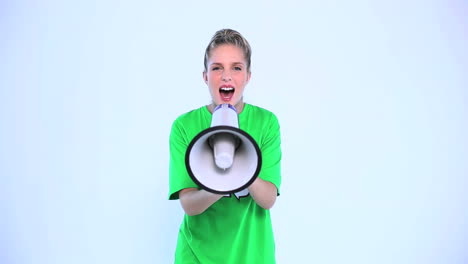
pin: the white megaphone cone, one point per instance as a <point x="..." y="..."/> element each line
<point x="223" y="158"/>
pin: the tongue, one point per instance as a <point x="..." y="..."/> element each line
<point x="226" y="96"/>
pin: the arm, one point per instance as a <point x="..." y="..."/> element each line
<point x="264" y="189"/>
<point x="264" y="193"/>
<point x="196" y="201"/>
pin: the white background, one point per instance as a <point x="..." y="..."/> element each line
<point x="371" y="97"/>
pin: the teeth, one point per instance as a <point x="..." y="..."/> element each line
<point x="227" y="89"/>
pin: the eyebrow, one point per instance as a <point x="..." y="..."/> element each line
<point x="234" y="63"/>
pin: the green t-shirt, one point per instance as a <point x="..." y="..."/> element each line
<point x="234" y="229"/>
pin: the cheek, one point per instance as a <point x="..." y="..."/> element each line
<point x="241" y="81"/>
<point x="242" y="77"/>
<point x="213" y="89"/>
<point x="213" y="85"/>
<point x="212" y="79"/>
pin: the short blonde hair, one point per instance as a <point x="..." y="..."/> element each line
<point x="232" y="37"/>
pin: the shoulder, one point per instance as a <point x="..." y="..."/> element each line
<point x="191" y="123"/>
<point x="191" y="114"/>
<point x="260" y="113"/>
<point x="194" y="116"/>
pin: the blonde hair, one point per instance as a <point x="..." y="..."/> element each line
<point x="232" y="37"/>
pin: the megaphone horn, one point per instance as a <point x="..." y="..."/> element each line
<point x="223" y="159"/>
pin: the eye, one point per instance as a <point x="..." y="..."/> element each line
<point x="237" y="68"/>
<point x="216" y="68"/>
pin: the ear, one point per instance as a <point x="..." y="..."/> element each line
<point x="249" y="74"/>
<point x="205" y="77"/>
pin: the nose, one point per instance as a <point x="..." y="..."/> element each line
<point x="227" y="76"/>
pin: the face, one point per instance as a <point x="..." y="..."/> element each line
<point x="226" y="76"/>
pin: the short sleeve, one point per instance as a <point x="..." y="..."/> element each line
<point x="178" y="176"/>
<point x="271" y="153"/>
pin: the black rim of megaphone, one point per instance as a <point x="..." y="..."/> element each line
<point x="211" y="129"/>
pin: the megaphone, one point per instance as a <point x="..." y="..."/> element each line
<point x="223" y="159"/>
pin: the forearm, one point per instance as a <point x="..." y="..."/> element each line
<point x="263" y="192"/>
<point x="196" y="201"/>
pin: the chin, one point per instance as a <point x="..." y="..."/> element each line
<point x="231" y="102"/>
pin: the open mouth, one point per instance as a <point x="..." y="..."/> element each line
<point x="226" y="92"/>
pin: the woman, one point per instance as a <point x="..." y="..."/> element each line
<point x="216" y="228"/>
